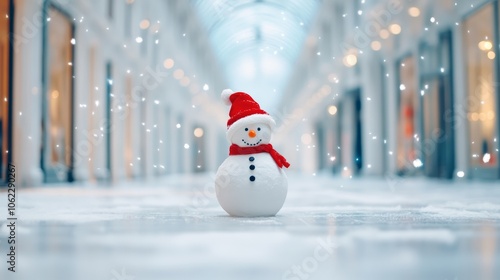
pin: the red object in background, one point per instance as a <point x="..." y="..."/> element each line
<point x="408" y="121"/>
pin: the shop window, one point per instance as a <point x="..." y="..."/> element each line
<point x="480" y="54"/>
<point x="436" y="137"/>
<point x="59" y="98"/>
<point x="5" y="77"/>
<point x="166" y="142"/>
<point x="352" y="138"/>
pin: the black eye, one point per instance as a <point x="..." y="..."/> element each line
<point x="246" y="129"/>
<point x="258" y="128"/>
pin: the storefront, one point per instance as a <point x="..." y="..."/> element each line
<point x="6" y="27"/>
<point x="57" y="82"/>
<point x="480" y="48"/>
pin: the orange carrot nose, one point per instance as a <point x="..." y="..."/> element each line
<point x="252" y="133"/>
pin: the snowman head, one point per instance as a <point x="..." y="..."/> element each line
<point x="248" y="124"/>
<point x="252" y="135"/>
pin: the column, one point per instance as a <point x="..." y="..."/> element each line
<point x="98" y="122"/>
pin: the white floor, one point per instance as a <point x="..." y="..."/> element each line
<point x="329" y="228"/>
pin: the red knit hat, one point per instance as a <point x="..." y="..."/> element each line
<point x="244" y="111"/>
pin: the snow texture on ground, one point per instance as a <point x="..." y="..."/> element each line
<point x="329" y="228"/>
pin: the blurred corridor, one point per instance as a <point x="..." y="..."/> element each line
<point x="124" y="89"/>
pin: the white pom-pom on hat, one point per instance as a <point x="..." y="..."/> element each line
<point x="225" y="96"/>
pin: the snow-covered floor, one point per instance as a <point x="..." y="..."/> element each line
<point x="329" y="228"/>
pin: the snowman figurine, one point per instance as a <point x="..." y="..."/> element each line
<point x="251" y="182"/>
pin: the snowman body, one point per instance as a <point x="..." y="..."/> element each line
<point x="251" y="185"/>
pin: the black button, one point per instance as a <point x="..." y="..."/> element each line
<point x="252" y="178"/>
<point x="252" y="167"/>
<point x="251" y="159"/>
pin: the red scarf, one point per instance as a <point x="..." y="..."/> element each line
<point x="263" y="148"/>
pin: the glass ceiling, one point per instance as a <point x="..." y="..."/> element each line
<point x="257" y="41"/>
